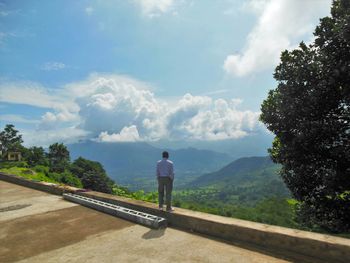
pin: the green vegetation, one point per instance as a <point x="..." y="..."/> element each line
<point x="273" y="210"/>
<point x="10" y="139"/>
<point x="54" y="166"/>
<point x="248" y="188"/>
<point x="28" y="173"/>
<point x="58" y="157"/>
<point x="92" y="175"/>
<point x="36" y="156"/>
<point x="245" y="181"/>
<point x="309" y="114"/>
<point x="39" y="173"/>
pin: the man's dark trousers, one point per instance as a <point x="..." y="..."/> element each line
<point x="167" y="184"/>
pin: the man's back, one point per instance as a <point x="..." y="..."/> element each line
<point x="165" y="176"/>
<point x="165" y="168"/>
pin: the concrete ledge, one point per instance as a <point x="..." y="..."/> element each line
<point x="325" y="248"/>
<point x="41" y="186"/>
<point x="284" y="240"/>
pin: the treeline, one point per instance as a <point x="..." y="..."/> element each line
<point x="54" y="165"/>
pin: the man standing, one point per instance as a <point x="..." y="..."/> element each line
<point x="165" y="176"/>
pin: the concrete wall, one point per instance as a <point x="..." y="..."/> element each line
<point x="284" y="241"/>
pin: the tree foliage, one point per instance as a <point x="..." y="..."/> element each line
<point x="36" y="156"/>
<point x="10" y="139"/>
<point x="59" y="157"/>
<point x="309" y="112"/>
<point x="92" y="175"/>
<point x="81" y="173"/>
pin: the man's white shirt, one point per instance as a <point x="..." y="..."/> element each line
<point x="165" y="168"/>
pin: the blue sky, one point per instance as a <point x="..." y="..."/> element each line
<point x="144" y="70"/>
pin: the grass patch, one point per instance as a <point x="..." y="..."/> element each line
<point x="28" y="173"/>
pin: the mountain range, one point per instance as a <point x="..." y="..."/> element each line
<point x="133" y="164"/>
<point x="245" y="180"/>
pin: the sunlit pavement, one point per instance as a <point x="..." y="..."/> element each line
<point x="39" y="227"/>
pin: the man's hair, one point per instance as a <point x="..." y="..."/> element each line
<point x="165" y="154"/>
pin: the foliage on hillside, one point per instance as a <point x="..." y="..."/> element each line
<point x="39" y="173"/>
<point x="54" y="166"/>
<point x="245" y="181"/>
<point x="273" y="211"/>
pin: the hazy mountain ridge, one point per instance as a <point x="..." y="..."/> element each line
<point x="133" y="164"/>
<point x="245" y="180"/>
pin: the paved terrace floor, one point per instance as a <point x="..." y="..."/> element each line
<point x="39" y="227"/>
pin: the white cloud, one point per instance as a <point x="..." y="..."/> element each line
<point x="89" y="10"/>
<point x="34" y="94"/>
<point x="4" y="36"/>
<point x="281" y="25"/>
<point x="255" y="6"/>
<point x="118" y="108"/>
<point x="11" y="118"/>
<point x="215" y="92"/>
<point x="110" y="103"/>
<point x="153" y="8"/>
<point x="127" y="134"/>
<point x="207" y="119"/>
<point x="47" y="137"/>
<point x="53" y="66"/>
<point x="52" y="120"/>
<point x="5" y="13"/>
<point x="28" y="93"/>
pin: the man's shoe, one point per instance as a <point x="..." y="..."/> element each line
<point x="160" y="208"/>
<point x="170" y="209"/>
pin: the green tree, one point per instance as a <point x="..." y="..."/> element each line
<point x="36" y="156"/>
<point x="10" y="139"/>
<point x="309" y="112"/>
<point x="58" y="157"/>
<point x="92" y="175"/>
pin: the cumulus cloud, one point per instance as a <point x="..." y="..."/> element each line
<point x="153" y="8"/>
<point x="112" y="108"/>
<point x="127" y="134"/>
<point x="281" y="25"/>
<point x="201" y="118"/>
<point x="110" y="104"/>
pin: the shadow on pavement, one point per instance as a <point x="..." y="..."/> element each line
<point x="154" y="233"/>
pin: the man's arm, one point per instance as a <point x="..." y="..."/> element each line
<point x="172" y="171"/>
<point x="157" y="171"/>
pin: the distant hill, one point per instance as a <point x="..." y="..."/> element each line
<point x="255" y="144"/>
<point x="133" y="164"/>
<point x="245" y="180"/>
